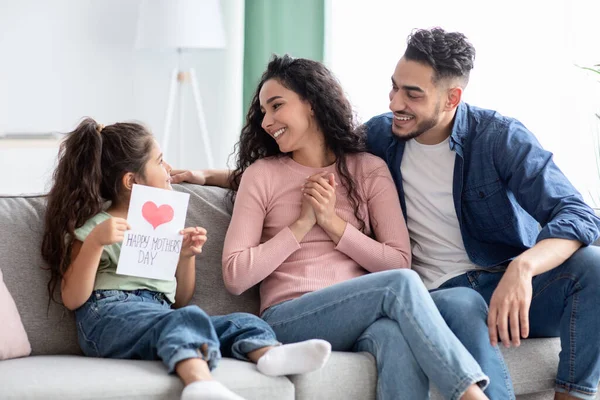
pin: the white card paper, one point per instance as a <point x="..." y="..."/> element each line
<point x="151" y="248"/>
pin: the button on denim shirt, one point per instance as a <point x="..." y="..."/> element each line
<point x="505" y="183"/>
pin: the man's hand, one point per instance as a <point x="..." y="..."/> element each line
<point x="509" y="306"/>
<point x="182" y="175"/>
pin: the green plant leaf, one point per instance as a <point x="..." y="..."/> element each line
<point x="591" y="69"/>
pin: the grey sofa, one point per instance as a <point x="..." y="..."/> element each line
<point x="57" y="370"/>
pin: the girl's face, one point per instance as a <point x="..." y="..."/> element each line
<point x="157" y="171"/>
<point x="287" y="118"/>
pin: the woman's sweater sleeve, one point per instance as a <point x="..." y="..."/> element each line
<point x="246" y="261"/>
<point x="391" y="247"/>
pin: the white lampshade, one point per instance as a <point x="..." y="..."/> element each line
<point x="180" y="24"/>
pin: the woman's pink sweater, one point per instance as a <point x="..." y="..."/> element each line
<point x="260" y="247"/>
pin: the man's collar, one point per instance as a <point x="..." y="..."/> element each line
<point x="460" y="128"/>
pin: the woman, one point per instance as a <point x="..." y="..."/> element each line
<point x="318" y="223"/>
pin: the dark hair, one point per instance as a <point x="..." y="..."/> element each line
<point x="449" y="53"/>
<point x="92" y="161"/>
<point x="313" y="83"/>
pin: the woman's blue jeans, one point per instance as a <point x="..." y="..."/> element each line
<point x="392" y="316"/>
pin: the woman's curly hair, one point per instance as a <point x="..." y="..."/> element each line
<point x="315" y="84"/>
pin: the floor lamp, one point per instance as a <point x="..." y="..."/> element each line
<point x="181" y="25"/>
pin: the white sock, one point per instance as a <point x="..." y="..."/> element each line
<point x="208" y="390"/>
<point x="295" y="358"/>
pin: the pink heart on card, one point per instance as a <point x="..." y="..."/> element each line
<point x="157" y="215"/>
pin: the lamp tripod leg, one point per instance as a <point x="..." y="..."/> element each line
<point x="166" y="135"/>
<point x="201" y="120"/>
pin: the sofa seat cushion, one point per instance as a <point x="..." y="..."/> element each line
<point x="354" y="376"/>
<point x="82" y="378"/>
<point x="345" y="376"/>
<point x="532" y="367"/>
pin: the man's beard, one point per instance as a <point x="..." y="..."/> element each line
<point x="423" y="126"/>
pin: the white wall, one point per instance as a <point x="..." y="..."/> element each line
<point x="525" y="64"/>
<point x="65" y="59"/>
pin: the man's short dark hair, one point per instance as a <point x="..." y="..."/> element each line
<point x="449" y="53"/>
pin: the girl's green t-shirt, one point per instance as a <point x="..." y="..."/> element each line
<point x="107" y="277"/>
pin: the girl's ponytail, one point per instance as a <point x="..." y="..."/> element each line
<point x="75" y="196"/>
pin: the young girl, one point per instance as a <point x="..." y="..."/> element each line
<point x="137" y="318"/>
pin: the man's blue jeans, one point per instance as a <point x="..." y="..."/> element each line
<point x="392" y="316"/>
<point x="565" y="303"/>
<point x="141" y="324"/>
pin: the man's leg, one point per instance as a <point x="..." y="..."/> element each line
<point x="465" y="312"/>
<point x="565" y="303"/>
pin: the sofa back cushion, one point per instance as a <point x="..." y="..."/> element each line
<point x="211" y="208"/>
<point x="51" y="327"/>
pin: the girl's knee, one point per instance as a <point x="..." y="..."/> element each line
<point x="248" y="320"/>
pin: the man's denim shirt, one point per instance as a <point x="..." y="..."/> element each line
<point x="505" y="183"/>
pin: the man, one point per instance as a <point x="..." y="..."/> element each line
<point x="474" y="185"/>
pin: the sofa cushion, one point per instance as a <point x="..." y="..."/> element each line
<point x="81" y="378"/>
<point x="345" y="376"/>
<point x="50" y="327"/>
<point x="211" y="208"/>
<point x="13" y="338"/>
<point x="533" y="365"/>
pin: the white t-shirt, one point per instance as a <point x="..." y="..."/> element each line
<point x="437" y="247"/>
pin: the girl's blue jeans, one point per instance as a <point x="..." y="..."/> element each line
<point x="142" y="325"/>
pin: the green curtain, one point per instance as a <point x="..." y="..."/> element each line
<point x="296" y="27"/>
